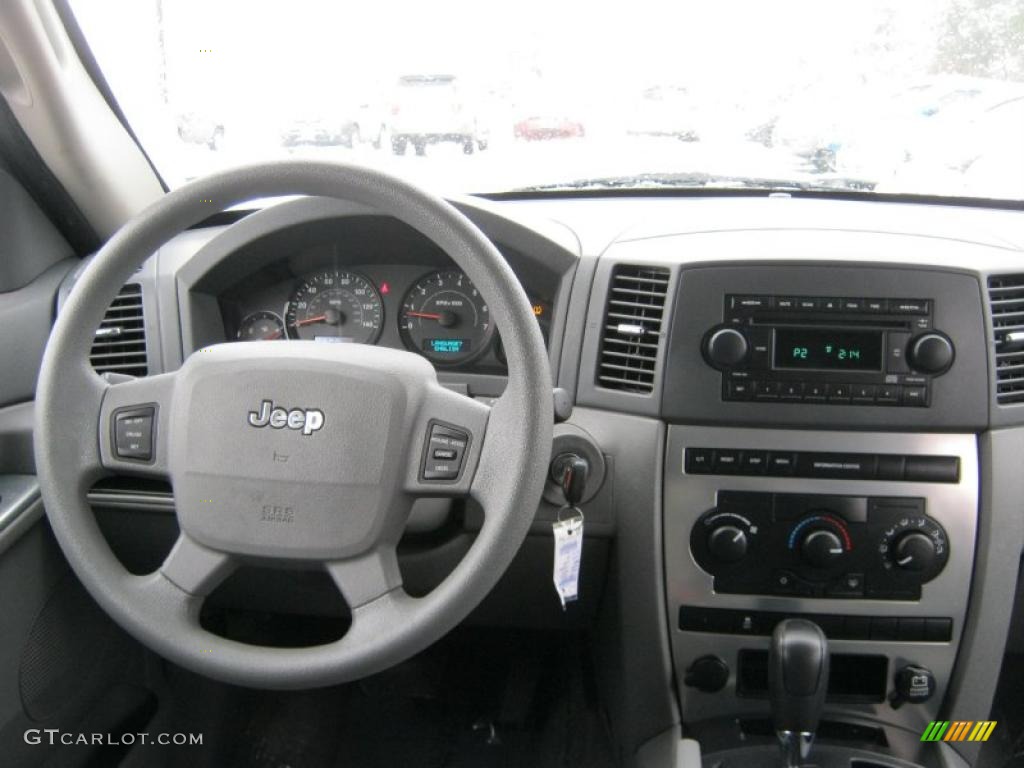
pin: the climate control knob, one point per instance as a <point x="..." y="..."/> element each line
<point x="930" y="353"/>
<point x="821" y="548"/>
<point x="914" y="551"/>
<point x="726" y="347"/>
<point x="727" y="543"/>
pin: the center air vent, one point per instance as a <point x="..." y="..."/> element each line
<point x="1006" y="299"/>
<point x="120" y="343"/>
<point x="632" y="328"/>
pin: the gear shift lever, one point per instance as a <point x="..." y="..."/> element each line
<point x="797" y="680"/>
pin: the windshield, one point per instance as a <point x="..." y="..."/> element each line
<point x="889" y="96"/>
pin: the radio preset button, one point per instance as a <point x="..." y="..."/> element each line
<point x="863" y="393"/>
<point x="815" y="392"/>
<point x="766" y="390"/>
<point x="839" y="393"/>
<point x="791" y="390"/>
<point x="887" y="394"/>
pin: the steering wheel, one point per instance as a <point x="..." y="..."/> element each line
<point x="299" y="454"/>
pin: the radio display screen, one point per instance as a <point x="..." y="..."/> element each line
<point x="823" y="349"/>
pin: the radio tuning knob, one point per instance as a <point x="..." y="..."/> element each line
<point x="726" y="347"/>
<point x="930" y="352"/>
<point x="728" y="543"/>
<point x="914" y="551"/>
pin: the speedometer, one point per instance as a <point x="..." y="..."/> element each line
<point x="335" y="306"/>
<point x="445" y="318"/>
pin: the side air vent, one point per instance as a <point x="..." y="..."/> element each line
<point x="632" y="328"/>
<point x="1006" y="299"/>
<point x="120" y="343"/>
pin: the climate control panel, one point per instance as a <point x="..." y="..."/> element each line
<point x="814" y="545"/>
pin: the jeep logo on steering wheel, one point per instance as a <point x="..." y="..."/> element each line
<point x="309" y="420"/>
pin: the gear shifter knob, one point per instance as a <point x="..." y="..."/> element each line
<point x="797" y="681"/>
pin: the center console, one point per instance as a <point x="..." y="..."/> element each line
<point x="821" y="463"/>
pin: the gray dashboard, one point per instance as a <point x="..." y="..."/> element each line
<point x="567" y="252"/>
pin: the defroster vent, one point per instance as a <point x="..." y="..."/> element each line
<point x="633" y="328"/>
<point x="120" y="343"/>
<point x="1006" y="300"/>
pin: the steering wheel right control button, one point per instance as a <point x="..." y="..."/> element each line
<point x="133" y="433"/>
<point x="446" y="452"/>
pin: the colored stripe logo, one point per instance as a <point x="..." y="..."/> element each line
<point x="958" y="730"/>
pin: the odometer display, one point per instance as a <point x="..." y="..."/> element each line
<point x="335" y="306"/>
<point x="445" y="318"/>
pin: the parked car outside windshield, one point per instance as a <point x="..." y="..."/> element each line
<point x="886" y="96"/>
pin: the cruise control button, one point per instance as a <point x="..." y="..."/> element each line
<point x="446" y="450"/>
<point x="133" y="433"/>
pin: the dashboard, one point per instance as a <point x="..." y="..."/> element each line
<point x="793" y="407"/>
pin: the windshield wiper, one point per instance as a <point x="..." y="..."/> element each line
<point x="700" y="180"/>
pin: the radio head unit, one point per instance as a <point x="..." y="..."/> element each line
<point x="836" y="350"/>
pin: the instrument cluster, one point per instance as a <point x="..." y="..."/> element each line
<point x="437" y="313"/>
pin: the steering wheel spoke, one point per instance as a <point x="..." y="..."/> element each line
<point x="367" y="577"/>
<point x="134" y="425"/>
<point x="194" y="568"/>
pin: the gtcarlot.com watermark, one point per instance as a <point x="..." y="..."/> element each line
<point x="54" y="736"/>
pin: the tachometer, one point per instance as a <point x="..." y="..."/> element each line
<point x="335" y="306"/>
<point x="261" y="326"/>
<point x="445" y="318"/>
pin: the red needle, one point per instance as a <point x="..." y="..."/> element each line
<point x="272" y="336"/>
<point x="311" y="320"/>
<point x="427" y="315"/>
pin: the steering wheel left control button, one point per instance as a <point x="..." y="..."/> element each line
<point x="133" y="432"/>
<point x="446" y="451"/>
